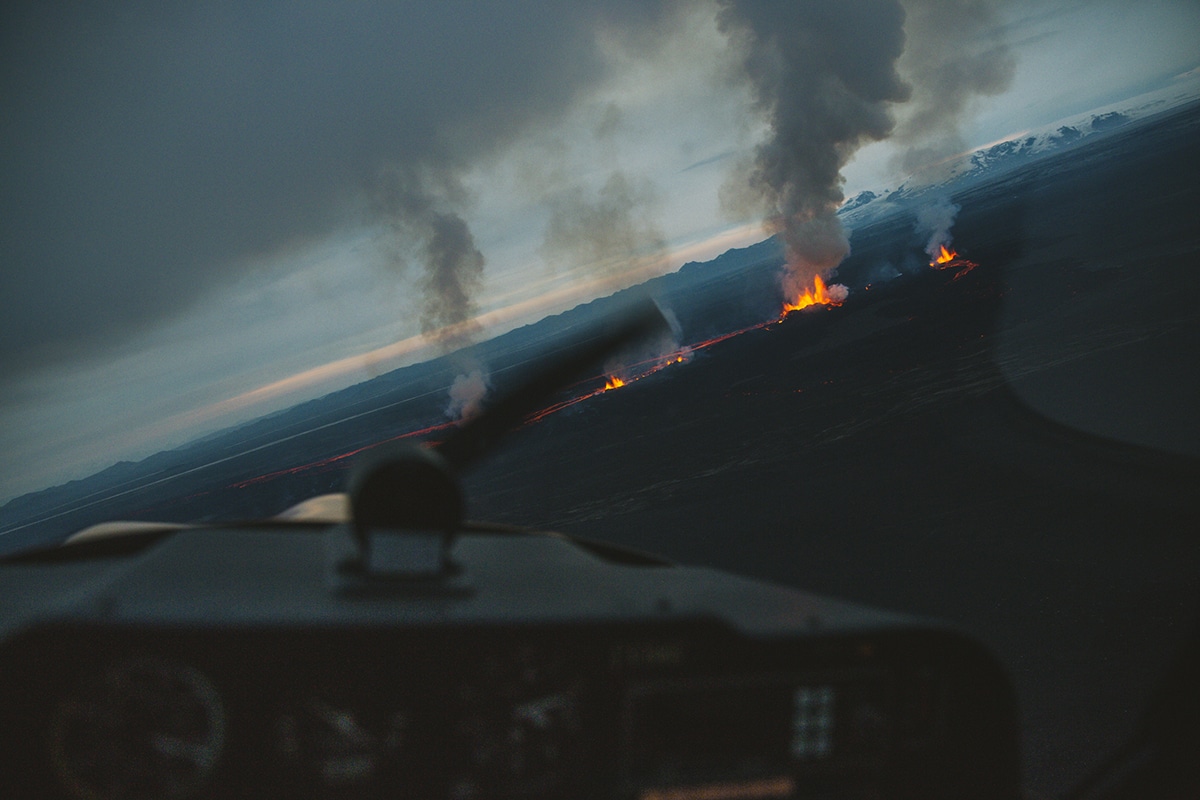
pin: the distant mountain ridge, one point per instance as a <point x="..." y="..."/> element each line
<point x="736" y="287"/>
<point x="991" y="162"/>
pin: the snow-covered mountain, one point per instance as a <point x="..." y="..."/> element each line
<point x="991" y="161"/>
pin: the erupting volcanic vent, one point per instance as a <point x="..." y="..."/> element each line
<point x="641" y="369"/>
<point x="820" y="294"/>
<point x="633" y="372"/>
<point x="935" y="220"/>
<point x="949" y="259"/>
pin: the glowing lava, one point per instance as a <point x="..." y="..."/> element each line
<point x="332" y="461"/>
<point x="949" y="259"/>
<point x="819" y="295"/>
<point x="636" y="371"/>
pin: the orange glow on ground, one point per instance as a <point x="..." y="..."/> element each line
<point x="633" y="372"/>
<point x="818" y="295"/>
<point x="950" y="259"/>
<point x="944" y="257"/>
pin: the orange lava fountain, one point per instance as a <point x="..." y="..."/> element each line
<point x="819" y="295"/>
<point x="949" y="259"/>
<point x="944" y="257"/>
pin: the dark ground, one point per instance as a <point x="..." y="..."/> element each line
<point x="934" y="446"/>
<point x="887" y="451"/>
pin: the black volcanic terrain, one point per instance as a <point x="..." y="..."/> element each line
<point x="888" y="452"/>
<point x="1015" y="450"/>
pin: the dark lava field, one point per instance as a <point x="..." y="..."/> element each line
<point x="1014" y="451"/>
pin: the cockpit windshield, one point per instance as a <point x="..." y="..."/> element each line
<point x="928" y="268"/>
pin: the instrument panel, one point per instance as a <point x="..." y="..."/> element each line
<point x="678" y="711"/>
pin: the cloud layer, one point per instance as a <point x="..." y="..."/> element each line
<point x="152" y="150"/>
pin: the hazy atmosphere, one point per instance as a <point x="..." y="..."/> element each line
<point x="210" y="213"/>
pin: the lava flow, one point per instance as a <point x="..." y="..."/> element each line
<point x="642" y="368"/>
<point x="819" y="295"/>
<point x="333" y="460"/>
<point x="949" y="259"/>
<point x="832" y="296"/>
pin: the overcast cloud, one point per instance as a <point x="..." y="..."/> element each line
<point x="201" y="199"/>
<point x="153" y="150"/>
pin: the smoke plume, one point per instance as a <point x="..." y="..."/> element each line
<point x="823" y="73"/>
<point x="453" y="269"/>
<point x="934" y="220"/>
<point x="649" y="357"/>
<point x="955" y="54"/>
<point x="611" y="233"/>
<point x="421" y="207"/>
<point x="466" y="395"/>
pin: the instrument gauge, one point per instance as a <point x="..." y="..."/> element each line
<point x="138" y="728"/>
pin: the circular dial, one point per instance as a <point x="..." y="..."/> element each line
<point x="520" y="728"/>
<point x="140" y="728"/>
<point x="338" y="746"/>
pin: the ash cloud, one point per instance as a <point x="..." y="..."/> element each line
<point x="829" y="76"/>
<point x="823" y="75"/>
<point x="422" y="210"/>
<point x="603" y="223"/>
<point x="453" y="268"/>
<point x="610" y="232"/>
<point x="421" y="206"/>
<point x="152" y="153"/>
<point x="956" y="53"/>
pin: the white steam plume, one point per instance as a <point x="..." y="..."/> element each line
<point x="467" y="394"/>
<point x="935" y="220"/>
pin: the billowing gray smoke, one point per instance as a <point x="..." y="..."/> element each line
<point x="613" y="231"/>
<point x="827" y="75"/>
<point x="453" y="267"/>
<point x="823" y="73"/>
<point x="955" y="53"/>
<point x="154" y="155"/>
<point x="421" y="206"/>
